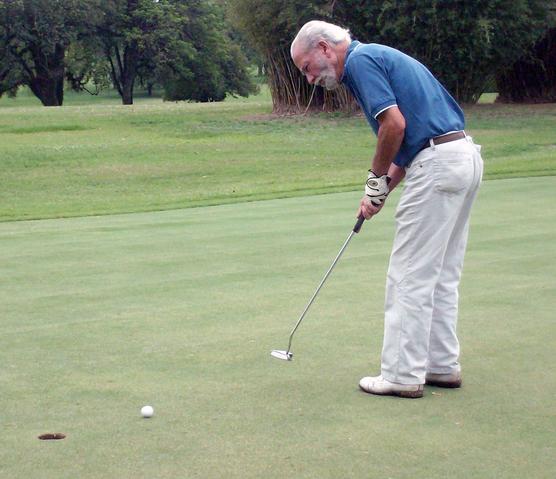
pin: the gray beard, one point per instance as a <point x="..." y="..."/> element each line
<point x="330" y="82"/>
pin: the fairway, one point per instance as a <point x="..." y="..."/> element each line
<point x="102" y="158"/>
<point x="180" y="309"/>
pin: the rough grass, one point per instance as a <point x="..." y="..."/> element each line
<point x="95" y="156"/>
<point x="180" y="310"/>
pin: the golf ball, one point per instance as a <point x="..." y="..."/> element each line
<point x="147" y="411"/>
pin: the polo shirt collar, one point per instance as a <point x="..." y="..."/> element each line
<point x="352" y="46"/>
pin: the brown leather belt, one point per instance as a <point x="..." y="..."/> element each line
<point x="438" y="140"/>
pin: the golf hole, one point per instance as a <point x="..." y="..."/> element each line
<point x="56" y="436"/>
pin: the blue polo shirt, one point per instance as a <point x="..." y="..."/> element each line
<point x="381" y="77"/>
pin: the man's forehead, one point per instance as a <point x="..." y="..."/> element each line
<point x="300" y="55"/>
<point x="297" y="53"/>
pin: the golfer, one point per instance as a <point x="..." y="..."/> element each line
<point x="421" y="137"/>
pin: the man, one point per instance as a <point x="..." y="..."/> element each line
<point x="420" y="130"/>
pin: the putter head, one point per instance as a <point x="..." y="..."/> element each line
<point x="283" y="355"/>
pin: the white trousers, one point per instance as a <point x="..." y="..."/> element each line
<point x="432" y="223"/>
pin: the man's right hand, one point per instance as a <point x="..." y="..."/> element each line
<point x="367" y="208"/>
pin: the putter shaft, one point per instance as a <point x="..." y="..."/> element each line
<point x="342" y="249"/>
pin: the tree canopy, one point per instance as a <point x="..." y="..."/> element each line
<point x="463" y="43"/>
<point x="189" y="48"/>
<point x="208" y="64"/>
<point x="182" y="46"/>
<point x="532" y="78"/>
<point x="34" y="38"/>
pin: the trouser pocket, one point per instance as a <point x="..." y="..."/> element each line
<point x="453" y="174"/>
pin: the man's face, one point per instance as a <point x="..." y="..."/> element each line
<point x="317" y="66"/>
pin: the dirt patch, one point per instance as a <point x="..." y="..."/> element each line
<point x="266" y="117"/>
<point x="52" y="436"/>
<point x="300" y="117"/>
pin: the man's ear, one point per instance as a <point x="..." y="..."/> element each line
<point x="324" y="47"/>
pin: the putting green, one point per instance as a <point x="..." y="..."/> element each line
<point x="180" y="309"/>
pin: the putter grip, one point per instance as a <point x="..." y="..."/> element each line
<point x="359" y="223"/>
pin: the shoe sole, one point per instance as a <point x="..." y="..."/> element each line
<point x="401" y="394"/>
<point x="444" y="384"/>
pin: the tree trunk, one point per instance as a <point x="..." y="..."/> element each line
<point x="291" y="93"/>
<point x="127" y="90"/>
<point x="47" y="81"/>
<point x="59" y="67"/>
<point x="533" y="78"/>
<point x="124" y="70"/>
<point x="46" y="90"/>
<point x="131" y="58"/>
<point x="60" y="91"/>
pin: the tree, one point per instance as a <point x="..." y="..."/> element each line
<point x="181" y="45"/>
<point x="124" y="35"/>
<point x="34" y="38"/>
<point x="270" y="27"/>
<point x="463" y="43"/>
<point x="207" y="63"/>
<point x="532" y="78"/>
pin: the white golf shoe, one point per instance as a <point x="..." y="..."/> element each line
<point x="379" y="385"/>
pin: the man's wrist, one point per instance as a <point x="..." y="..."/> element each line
<point x="388" y="179"/>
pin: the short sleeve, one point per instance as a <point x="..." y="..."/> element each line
<point x="369" y="77"/>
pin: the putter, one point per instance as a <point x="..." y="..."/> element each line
<point x="287" y="355"/>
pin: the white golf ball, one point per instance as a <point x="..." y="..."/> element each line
<point x="147" y="411"/>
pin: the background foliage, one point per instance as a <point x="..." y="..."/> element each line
<point x="34" y="38"/>
<point x="533" y="77"/>
<point x="463" y="43"/>
<point x="191" y="51"/>
<point x="185" y="47"/>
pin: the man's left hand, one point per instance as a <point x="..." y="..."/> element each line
<point x="376" y="187"/>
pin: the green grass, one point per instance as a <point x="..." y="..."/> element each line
<point x="95" y="156"/>
<point x="179" y="309"/>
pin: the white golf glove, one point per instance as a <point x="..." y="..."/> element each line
<point x="376" y="188"/>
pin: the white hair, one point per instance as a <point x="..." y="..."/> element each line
<point x="315" y="31"/>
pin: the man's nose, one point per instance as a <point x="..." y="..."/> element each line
<point x="311" y="79"/>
